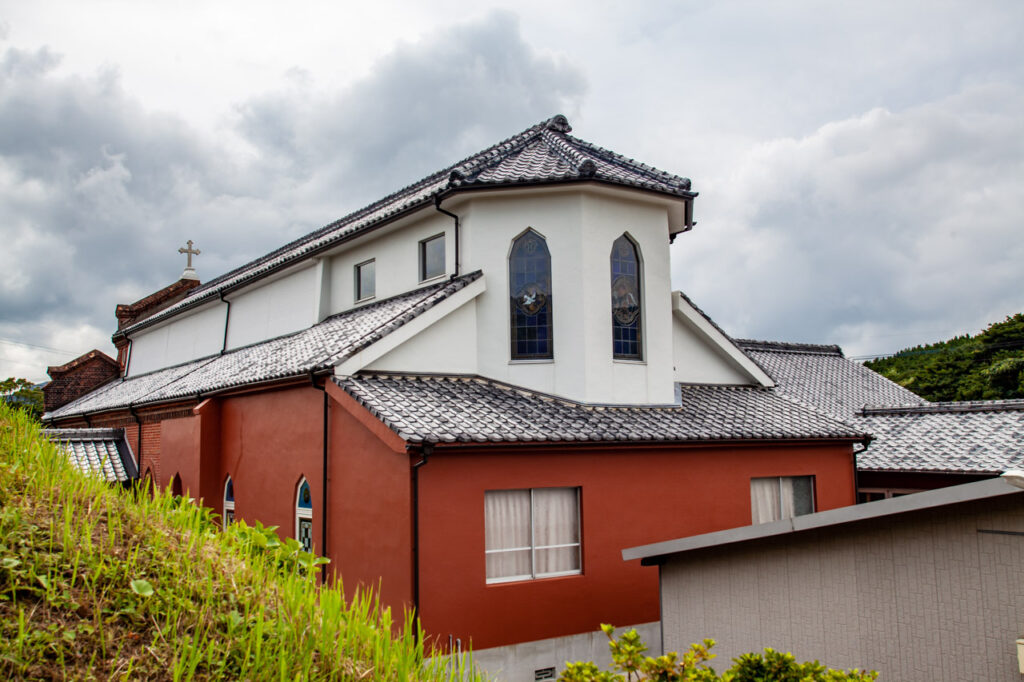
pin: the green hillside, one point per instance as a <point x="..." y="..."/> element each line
<point x="987" y="366"/>
<point x="98" y="582"/>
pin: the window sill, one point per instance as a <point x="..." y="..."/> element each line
<point x="538" y="361"/>
<point x="366" y="299"/>
<point x="627" y="361"/>
<point x="526" y="580"/>
<point x="435" y="278"/>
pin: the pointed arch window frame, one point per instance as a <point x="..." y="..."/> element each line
<point x="303" y="512"/>
<point x="531" y="311"/>
<point x="627" y="295"/>
<point x="228" y="508"/>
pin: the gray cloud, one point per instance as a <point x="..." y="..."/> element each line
<point x="97" y="192"/>
<point x="877" y="231"/>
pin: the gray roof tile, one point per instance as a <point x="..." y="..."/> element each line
<point x="103" y="452"/>
<point x="444" y="409"/>
<point x="318" y="347"/>
<point x="911" y="434"/>
<point x="543" y="153"/>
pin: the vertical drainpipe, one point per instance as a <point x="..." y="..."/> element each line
<point x="138" y="425"/>
<point x="458" y="264"/>
<point x="227" y="321"/>
<point x="425" y="451"/>
<point x="323" y="485"/>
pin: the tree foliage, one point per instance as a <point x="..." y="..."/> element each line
<point x="23" y="394"/>
<point x="631" y="665"/>
<point x="987" y="366"/>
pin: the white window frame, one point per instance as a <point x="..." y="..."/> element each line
<point x="357" y="270"/>
<point x="421" y="257"/>
<point x="302" y="512"/>
<point x="533" y="575"/>
<point x="227" y="505"/>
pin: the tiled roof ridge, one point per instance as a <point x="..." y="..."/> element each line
<point x="949" y="407"/>
<point x="642" y="168"/>
<point x="95" y="353"/>
<point x="369" y="208"/>
<point x="790" y="347"/>
<point x="83" y="433"/>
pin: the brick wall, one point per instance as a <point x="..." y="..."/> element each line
<point x="78" y="377"/>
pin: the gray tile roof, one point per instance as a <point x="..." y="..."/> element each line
<point x="542" y="154"/>
<point x="103" y="452"/>
<point x="821" y="377"/>
<point x="446" y="409"/>
<point x="319" y="347"/>
<point x="911" y="434"/>
<point x="985" y="437"/>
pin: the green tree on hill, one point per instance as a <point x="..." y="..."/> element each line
<point x="988" y="366"/>
<point x="23" y="394"/>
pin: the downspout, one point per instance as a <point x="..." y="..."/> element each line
<point x="425" y="451"/>
<point x="458" y="264"/>
<point x="128" y="360"/>
<point x="323" y="487"/>
<point x="856" y="482"/>
<point x="227" y="321"/>
<point x="138" y="435"/>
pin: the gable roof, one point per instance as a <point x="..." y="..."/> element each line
<point x="103" y="452"/>
<point x="471" y="409"/>
<point x="542" y="154"/>
<point x="317" y="348"/>
<point x="911" y="434"/>
<point x="822" y="377"/>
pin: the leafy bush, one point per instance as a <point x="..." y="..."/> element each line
<point x="772" y="666"/>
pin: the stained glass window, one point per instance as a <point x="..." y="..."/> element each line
<point x="529" y="284"/>
<point x="626" y="312"/>
<point x="304" y="516"/>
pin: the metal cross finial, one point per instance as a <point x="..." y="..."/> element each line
<point x="191" y="252"/>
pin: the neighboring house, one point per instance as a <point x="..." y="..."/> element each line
<point x="473" y="393"/>
<point x="917" y="445"/>
<point x="925" y="587"/>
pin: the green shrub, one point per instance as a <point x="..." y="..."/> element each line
<point x="629" y="661"/>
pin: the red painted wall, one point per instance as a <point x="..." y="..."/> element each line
<point x="370" y="527"/>
<point x="628" y="498"/>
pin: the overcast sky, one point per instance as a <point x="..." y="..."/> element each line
<point x="860" y="165"/>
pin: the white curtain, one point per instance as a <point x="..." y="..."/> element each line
<point x="507" y="533"/>
<point x="764" y="500"/>
<point x="786" y="498"/>
<point x="556" y="530"/>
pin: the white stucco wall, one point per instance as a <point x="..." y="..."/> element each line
<point x="580" y="226"/>
<point x="448" y="345"/>
<point x="195" y="335"/>
<point x="698" y="362"/>
<point x="286" y="304"/>
<point x="396" y="255"/>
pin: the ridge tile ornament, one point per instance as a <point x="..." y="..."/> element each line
<point x="189" y="272"/>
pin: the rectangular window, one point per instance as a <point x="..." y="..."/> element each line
<point x="532" y="533"/>
<point x="366" y="280"/>
<point x="432" y="257"/>
<point x="781" y="497"/>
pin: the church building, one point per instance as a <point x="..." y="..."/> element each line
<point x="472" y="394"/>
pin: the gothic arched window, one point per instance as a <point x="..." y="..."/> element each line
<point x="627" y="316"/>
<point x="228" y="516"/>
<point x="529" y="284"/>
<point x="304" y="515"/>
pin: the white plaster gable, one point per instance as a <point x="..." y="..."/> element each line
<point x="441" y="339"/>
<point x="704" y="354"/>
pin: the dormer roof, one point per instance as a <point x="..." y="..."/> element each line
<point x="543" y="154"/>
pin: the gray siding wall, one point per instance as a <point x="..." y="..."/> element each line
<point x="919" y="596"/>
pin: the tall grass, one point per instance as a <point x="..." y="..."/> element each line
<point x="99" y="582"/>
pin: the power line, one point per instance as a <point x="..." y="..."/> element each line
<point x="12" y="342"/>
<point x="970" y="346"/>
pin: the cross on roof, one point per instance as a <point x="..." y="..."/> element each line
<point x="190" y="251"/>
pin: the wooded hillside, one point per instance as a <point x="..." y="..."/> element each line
<point x="987" y="366"/>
